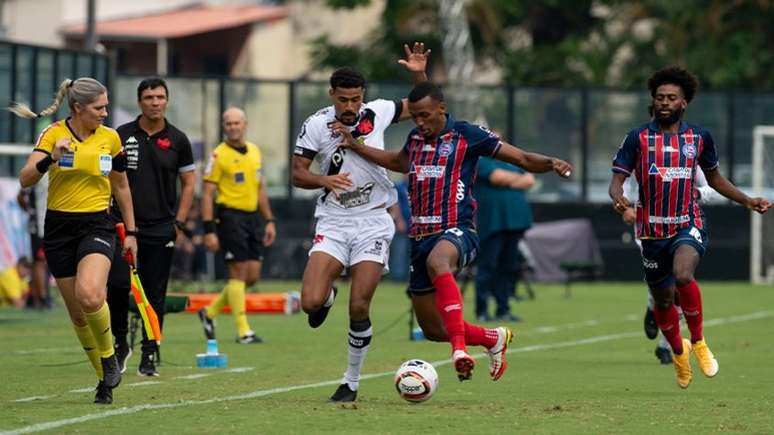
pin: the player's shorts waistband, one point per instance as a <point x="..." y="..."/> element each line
<point x="373" y="212"/>
<point x="222" y="209"/>
<point x="76" y="214"/>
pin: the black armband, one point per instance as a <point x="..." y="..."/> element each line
<point x="44" y="163"/>
<point x="119" y="162"/>
<point x="209" y="227"/>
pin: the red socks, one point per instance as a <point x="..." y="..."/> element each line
<point x="690" y="302"/>
<point x="448" y="300"/>
<point x="479" y="336"/>
<point x="669" y="323"/>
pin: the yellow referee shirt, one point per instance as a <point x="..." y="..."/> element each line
<point x="237" y="174"/>
<point x="79" y="182"/>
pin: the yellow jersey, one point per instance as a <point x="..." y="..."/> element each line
<point x="79" y="182"/>
<point x="237" y="174"/>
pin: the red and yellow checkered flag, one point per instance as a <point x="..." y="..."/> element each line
<point x="149" y="318"/>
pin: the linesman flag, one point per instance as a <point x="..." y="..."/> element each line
<point x="149" y="318"/>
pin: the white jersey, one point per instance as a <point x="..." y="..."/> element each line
<point x="371" y="186"/>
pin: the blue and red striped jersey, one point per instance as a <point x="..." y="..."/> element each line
<point x="442" y="173"/>
<point x="665" y="167"/>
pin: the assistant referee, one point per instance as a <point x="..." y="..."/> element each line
<point x="157" y="155"/>
<point x="234" y="170"/>
<point x="84" y="162"/>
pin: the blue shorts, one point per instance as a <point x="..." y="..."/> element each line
<point x="466" y="241"/>
<point x="658" y="254"/>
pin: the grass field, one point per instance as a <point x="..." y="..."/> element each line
<point x="578" y="365"/>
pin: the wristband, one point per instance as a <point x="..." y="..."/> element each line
<point x="270" y="221"/>
<point x="209" y="227"/>
<point x="44" y="163"/>
<point x="132" y="233"/>
<point x="180" y="225"/>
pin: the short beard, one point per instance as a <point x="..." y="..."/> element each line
<point x="672" y="119"/>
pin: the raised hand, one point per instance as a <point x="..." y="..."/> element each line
<point x="416" y="57"/>
<point x="60" y="147"/>
<point x="761" y="205"/>
<point x="342" y="130"/>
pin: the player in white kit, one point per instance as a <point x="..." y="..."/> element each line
<point x="354" y="229"/>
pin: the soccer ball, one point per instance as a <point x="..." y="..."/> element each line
<point x="416" y="380"/>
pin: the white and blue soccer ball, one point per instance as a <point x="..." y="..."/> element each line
<point x="416" y="380"/>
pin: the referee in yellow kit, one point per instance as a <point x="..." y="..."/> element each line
<point x="234" y="171"/>
<point x="84" y="163"/>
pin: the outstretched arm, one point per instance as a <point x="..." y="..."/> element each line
<point x="416" y="63"/>
<point x="393" y="160"/>
<point x="532" y="162"/>
<point x="717" y="181"/>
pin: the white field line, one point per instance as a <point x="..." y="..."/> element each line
<point x="262" y="393"/>
<point x="194" y="376"/>
<point x="536" y="330"/>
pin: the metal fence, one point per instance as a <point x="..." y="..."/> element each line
<point x="584" y="125"/>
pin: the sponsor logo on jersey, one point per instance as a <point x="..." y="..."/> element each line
<point x="426" y="219"/>
<point x="669" y="174"/>
<point x="429" y="171"/>
<point x="357" y="197"/>
<point x="669" y="219"/>
<point x="132" y="150"/>
<point x="318" y="238"/>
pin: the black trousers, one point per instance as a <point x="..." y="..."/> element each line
<point x="153" y="266"/>
<point x="498" y="270"/>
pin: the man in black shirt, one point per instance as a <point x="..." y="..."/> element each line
<point x="157" y="155"/>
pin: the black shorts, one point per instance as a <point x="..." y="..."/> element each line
<point x="71" y="236"/>
<point x="240" y="235"/>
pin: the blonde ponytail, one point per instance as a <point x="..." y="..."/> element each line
<point x="83" y="90"/>
<point x="24" y="111"/>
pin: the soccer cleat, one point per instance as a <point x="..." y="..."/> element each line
<point x="111" y="372"/>
<point x="651" y="328"/>
<point x="707" y="362"/>
<point x="343" y="394"/>
<point x="123" y="353"/>
<point x="148" y="364"/>
<point x="497" y="361"/>
<point x="250" y="338"/>
<point x="682" y="365"/>
<point x="104" y="394"/>
<point x="207" y="324"/>
<point x="664" y="355"/>
<point x="463" y="364"/>
<point x="318" y="317"/>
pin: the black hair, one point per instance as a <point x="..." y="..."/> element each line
<point x="151" y="83"/>
<point x="347" y="78"/>
<point x="425" y="89"/>
<point x="674" y="75"/>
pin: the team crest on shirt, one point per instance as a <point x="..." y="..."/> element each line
<point x="164" y="143"/>
<point x="689" y="150"/>
<point x="445" y="148"/>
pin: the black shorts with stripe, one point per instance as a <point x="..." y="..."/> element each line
<point x="240" y="235"/>
<point x="68" y="237"/>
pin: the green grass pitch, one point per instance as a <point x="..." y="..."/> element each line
<point x="577" y="365"/>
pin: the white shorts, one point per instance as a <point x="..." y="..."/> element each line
<point x="354" y="239"/>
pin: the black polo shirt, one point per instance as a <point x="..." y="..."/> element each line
<point x="152" y="167"/>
